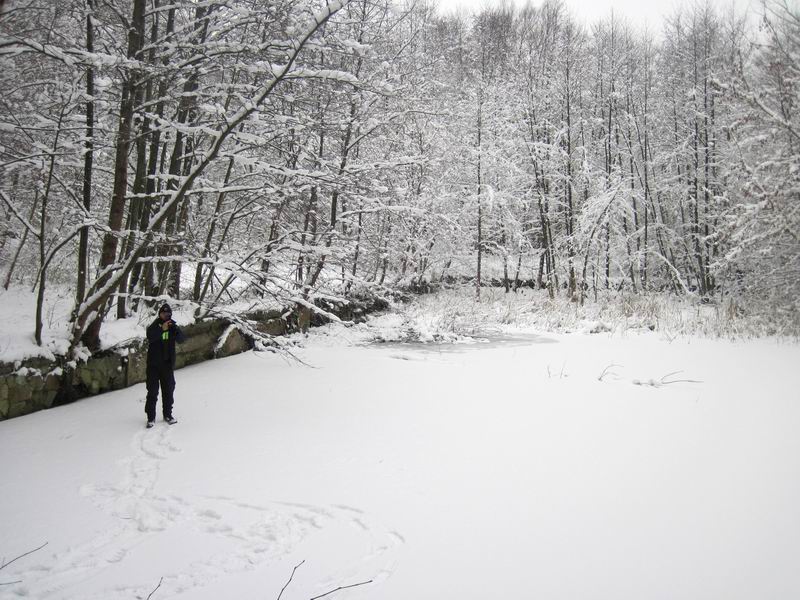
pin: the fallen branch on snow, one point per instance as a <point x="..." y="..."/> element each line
<point x="150" y="595"/>
<point x="283" y="589"/>
<point x="341" y="587"/>
<point x="606" y="371"/>
<point x="663" y="381"/>
<point x="5" y="564"/>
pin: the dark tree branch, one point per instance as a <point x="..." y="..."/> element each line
<point x="343" y="587"/>
<point x="5" y="564"/>
<point x="156" y="589"/>
<point x="290" y="579"/>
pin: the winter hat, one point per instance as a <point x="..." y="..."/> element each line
<point x="163" y="308"/>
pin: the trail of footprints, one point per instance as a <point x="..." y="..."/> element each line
<point x="260" y="532"/>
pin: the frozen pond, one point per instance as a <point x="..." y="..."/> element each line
<point x="556" y="466"/>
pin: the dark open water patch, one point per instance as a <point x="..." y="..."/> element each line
<point x="476" y="342"/>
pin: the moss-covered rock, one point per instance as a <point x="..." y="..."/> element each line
<point x="18" y="407"/>
<point x="52" y="382"/>
<point x="272" y="327"/>
<point x="49" y="398"/>
<point x="235" y="343"/>
<point x="201" y="339"/>
<point x="36" y="383"/>
<point x="22" y="392"/>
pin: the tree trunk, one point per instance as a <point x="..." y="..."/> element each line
<point x="151" y="187"/>
<point x="88" y="160"/>
<point x="480" y="203"/>
<point x="42" y="233"/>
<point x="22" y="241"/>
<point x="91" y="336"/>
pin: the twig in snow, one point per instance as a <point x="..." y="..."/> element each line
<point x="663" y="381"/>
<point x="342" y="587"/>
<point x="154" y="591"/>
<point x="295" y="357"/>
<point x="290" y="579"/>
<point x="5" y="564"/>
<point x="606" y="370"/>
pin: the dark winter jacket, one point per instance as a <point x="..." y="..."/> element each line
<point x="161" y="344"/>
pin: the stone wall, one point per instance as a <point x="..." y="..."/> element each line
<point x="34" y="384"/>
<point x="28" y="387"/>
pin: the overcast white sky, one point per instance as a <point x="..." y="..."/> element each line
<point x="638" y="12"/>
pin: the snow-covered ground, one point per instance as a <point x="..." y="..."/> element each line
<point x="17" y="323"/>
<point x="536" y="466"/>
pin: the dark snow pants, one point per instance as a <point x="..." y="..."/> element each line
<point x="163" y="376"/>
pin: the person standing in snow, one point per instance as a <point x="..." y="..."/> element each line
<point x="161" y="337"/>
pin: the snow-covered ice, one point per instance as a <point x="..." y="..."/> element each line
<point x="532" y="466"/>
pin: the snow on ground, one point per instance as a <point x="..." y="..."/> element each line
<point x="534" y="465"/>
<point x="17" y="323"/>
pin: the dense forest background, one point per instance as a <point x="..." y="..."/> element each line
<point x="292" y="151"/>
